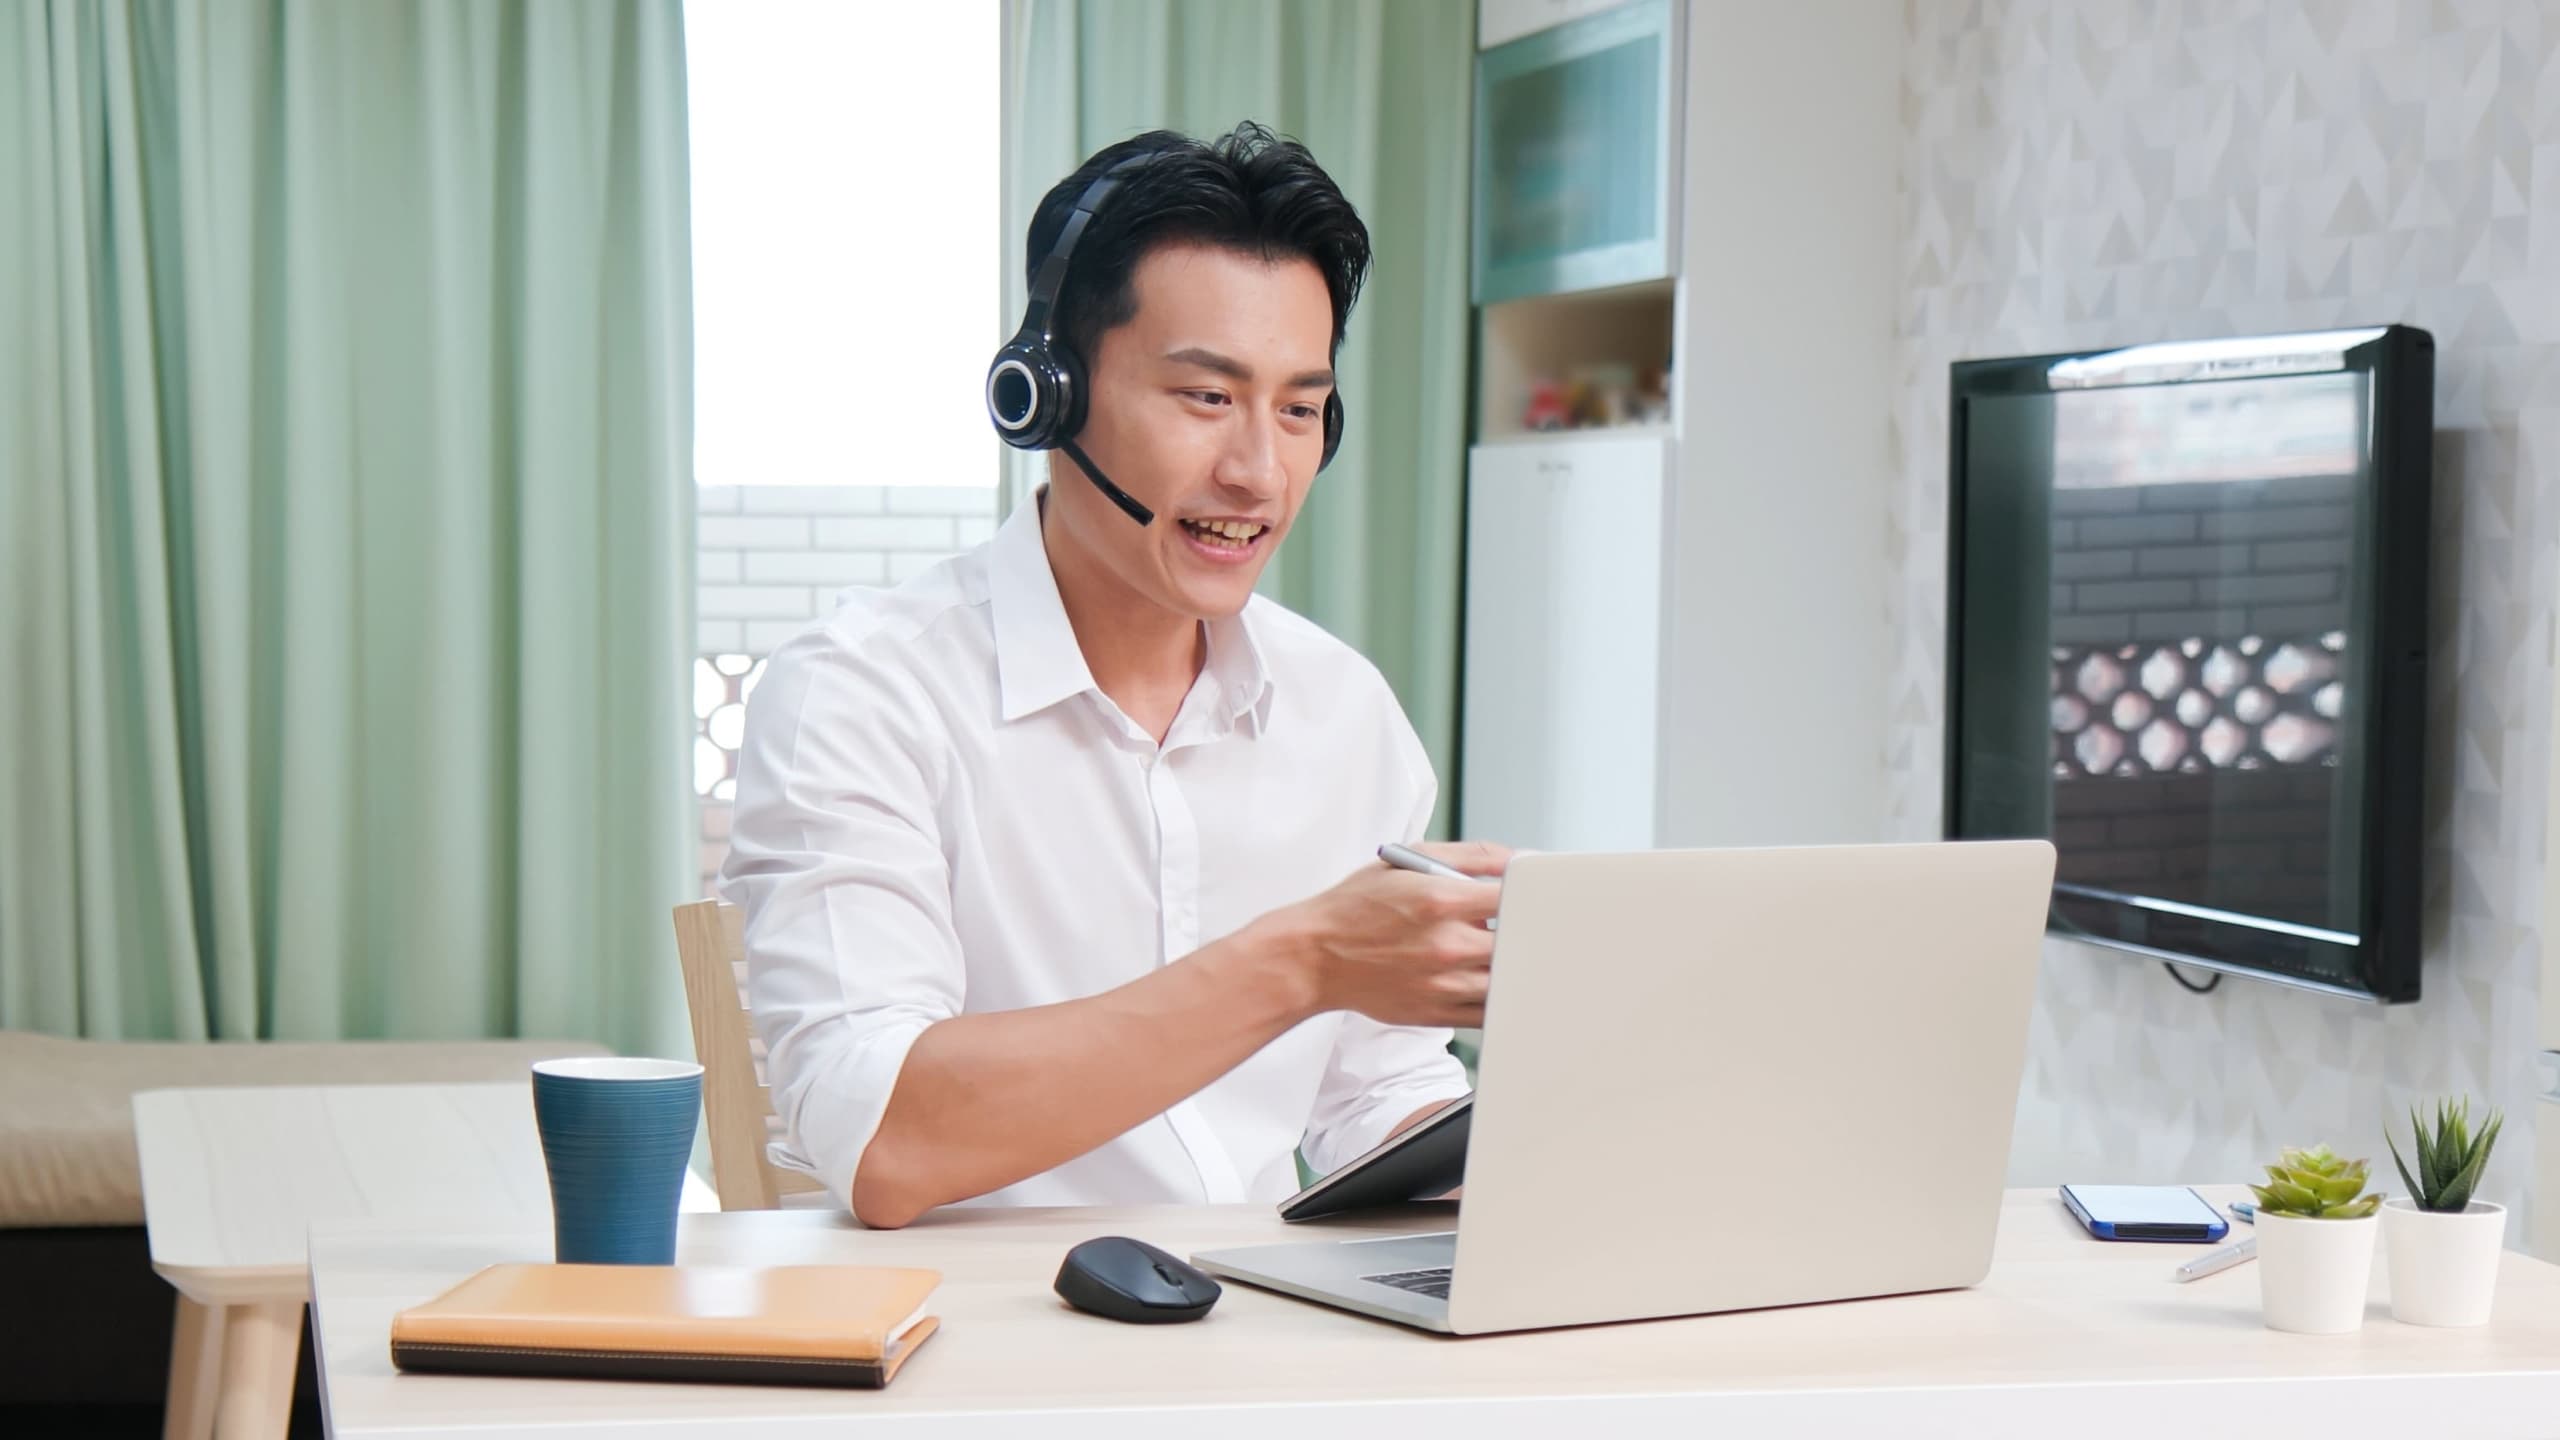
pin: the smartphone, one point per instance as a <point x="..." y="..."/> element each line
<point x="2145" y="1212"/>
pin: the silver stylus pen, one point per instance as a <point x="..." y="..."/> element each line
<point x="1404" y="859"/>
<point x="2218" y="1261"/>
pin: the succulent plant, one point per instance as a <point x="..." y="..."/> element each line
<point x="2316" y="1185"/>
<point x="2450" y="1156"/>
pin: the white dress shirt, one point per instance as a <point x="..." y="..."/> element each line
<point x="939" y="814"/>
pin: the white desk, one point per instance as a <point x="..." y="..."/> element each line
<point x="2069" y="1336"/>
<point x="232" y="1180"/>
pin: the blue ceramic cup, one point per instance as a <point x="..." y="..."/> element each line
<point x="615" y="1136"/>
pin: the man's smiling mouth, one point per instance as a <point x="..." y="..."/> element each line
<point x="1231" y="535"/>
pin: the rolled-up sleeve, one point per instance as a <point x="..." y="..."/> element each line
<point x="1379" y="1074"/>
<point x="836" y="856"/>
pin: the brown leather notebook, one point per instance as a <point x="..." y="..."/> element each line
<point x="788" y="1325"/>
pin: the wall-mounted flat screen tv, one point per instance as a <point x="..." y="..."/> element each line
<point x="2187" y="642"/>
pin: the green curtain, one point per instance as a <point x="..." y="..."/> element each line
<point x="1380" y="91"/>
<point x="345" y="518"/>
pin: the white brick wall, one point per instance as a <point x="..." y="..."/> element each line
<point x="770" y="558"/>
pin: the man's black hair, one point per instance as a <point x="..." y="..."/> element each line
<point x="1248" y="191"/>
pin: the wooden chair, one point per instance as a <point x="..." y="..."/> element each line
<point x="711" y="941"/>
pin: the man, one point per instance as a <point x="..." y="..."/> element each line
<point x="1044" y="852"/>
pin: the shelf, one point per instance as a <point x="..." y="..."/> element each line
<point x="1531" y="438"/>
<point x="1624" y="332"/>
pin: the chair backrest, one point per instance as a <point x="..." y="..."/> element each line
<point x="711" y="943"/>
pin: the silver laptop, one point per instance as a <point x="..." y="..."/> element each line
<point x="1803" y="1064"/>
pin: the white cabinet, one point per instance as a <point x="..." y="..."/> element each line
<point x="1685" y="639"/>
<point x="1564" y="611"/>
<point x="1501" y="20"/>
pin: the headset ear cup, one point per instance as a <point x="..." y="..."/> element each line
<point x="1332" y="428"/>
<point x="1020" y="384"/>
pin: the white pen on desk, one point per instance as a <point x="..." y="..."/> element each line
<point x="2217" y="1262"/>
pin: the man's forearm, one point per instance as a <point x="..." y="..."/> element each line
<point x="985" y="1100"/>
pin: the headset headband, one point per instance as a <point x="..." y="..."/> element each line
<point x="1053" y="270"/>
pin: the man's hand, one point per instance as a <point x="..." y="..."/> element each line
<point x="1402" y="948"/>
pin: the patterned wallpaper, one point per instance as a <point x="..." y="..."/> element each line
<point x="2081" y="173"/>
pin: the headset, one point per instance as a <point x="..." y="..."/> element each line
<point x="1036" y="387"/>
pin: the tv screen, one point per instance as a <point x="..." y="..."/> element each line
<point x="2187" y="601"/>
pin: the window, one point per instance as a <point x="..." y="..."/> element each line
<point x="846" y="240"/>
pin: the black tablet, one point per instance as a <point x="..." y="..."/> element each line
<point x="1423" y="1163"/>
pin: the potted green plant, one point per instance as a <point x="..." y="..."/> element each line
<point x="2315" y="1242"/>
<point x="2443" y="1243"/>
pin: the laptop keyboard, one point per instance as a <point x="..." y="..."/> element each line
<point x="1434" y="1283"/>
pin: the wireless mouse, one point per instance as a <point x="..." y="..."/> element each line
<point x="1123" y="1279"/>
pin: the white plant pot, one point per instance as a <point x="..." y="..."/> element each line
<point x="2444" y="1267"/>
<point x="2313" y="1275"/>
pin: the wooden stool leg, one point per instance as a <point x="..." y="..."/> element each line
<point x="195" y="1372"/>
<point x="260" y="1345"/>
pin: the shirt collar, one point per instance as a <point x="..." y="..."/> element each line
<point x="1236" y="664"/>
<point x="1038" y="662"/>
